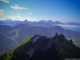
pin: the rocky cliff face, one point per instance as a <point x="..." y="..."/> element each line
<point x="46" y="48"/>
<point x="39" y="48"/>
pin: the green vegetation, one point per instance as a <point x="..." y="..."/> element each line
<point x="10" y="53"/>
<point x="62" y="47"/>
<point x="26" y="40"/>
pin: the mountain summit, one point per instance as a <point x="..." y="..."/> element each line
<point x="40" y="47"/>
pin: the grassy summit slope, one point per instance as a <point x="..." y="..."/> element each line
<point x="8" y="55"/>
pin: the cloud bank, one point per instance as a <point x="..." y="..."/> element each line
<point x="16" y="7"/>
<point x="11" y="17"/>
<point x="6" y="1"/>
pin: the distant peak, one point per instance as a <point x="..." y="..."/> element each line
<point x="26" y="20"/>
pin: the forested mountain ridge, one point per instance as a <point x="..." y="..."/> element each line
<point x="41" y="48"/>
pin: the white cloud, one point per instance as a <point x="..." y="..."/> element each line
<point x="6" y="1"/>
<point x="11" y="17"/>
<point x="30" y="12"/>
<point x="65" y="25"/>
<point x="2" y="18"/>
<point x="1" y="11"/>
<point x="16" y="7"/>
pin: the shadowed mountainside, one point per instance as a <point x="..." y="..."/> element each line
<point x="42" y="48"/>
<point x="18" y="33"/>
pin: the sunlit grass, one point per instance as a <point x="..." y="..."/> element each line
<point x="10" y="53"/>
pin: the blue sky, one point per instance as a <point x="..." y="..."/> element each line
<point x="35" y="10"/>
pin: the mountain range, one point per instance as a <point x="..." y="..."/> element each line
<point x="14" y="32"/>
<point x="66" y="25"/>
<point x="38" y="47"/>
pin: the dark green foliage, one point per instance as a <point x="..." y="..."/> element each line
<point x="62" y="36"/>
<point x="68" y="50"/>
<point x="41" y="50"/>
<point x="9" y="54"/>
<point x="45" y="48"/>
<point x="5" y="54"/>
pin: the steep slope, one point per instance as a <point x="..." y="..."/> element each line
<point x="7" y="38"/>
<point x="7" y="56"/>
<point x="42" y="48"/>
<point x="6" y="43"/>
<point x="38" y="48"/>
<point x="66" y="47"/>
